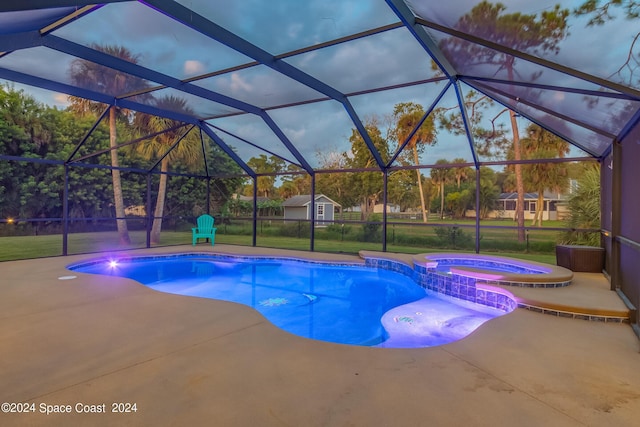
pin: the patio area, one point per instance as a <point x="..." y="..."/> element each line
<point x="189" y="361"/>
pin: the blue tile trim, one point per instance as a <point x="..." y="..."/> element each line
<point x="209" y="256"/>
<point x="453" y="285"/>
<point x="465" y="288"/>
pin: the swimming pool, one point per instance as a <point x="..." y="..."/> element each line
<point x="341" y="303"/>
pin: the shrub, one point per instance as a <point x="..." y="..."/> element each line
<point x="371" y="229"/>
<point x="453" y="237"/>
<point x="297" y="229"/>
<point x="584" y="210"/>
<point x="336" y="232"/>
<point x="413" y="240"/>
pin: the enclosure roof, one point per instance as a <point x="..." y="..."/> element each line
<point x="292" y="78"/>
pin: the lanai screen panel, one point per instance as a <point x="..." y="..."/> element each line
<point x="281" y="26"/>
<point x="260" y="86"/>
<point x="440" y="143"/>
<point x="352" y="47"/>
<point x="388" y="58"/>
<point x="198" y="106"/>
<point x="31" y="20"/>
<point x="608" y="36"/>
<point x="59" y="67"/>
<point x="159" y="42"/>
<point x="592" y="142"/>
<point x="602" y="110"/>
<point x="251" y="137"/>
<point x="320" y="131"/>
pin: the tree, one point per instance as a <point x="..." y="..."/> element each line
<point x="336" y="185"/>
<point x="461" y="173"/>
<point x="294" y="185"/>
<point x="489" y="142"/>
<point x="488" y="191"/>
<point x="188" y="150"/>
<point x="264" y="164"/>
<point x="600" y="12"/>
<point x="530" y="33"/>
<point x="407" y="116"/>
<point x="440" y="177"/>
<point x="16" y="111"/>
<point x="99" y="78"/>
<point x="458" y="201"/>
<point x="400" y="186"/>
<point x="89" y="188"/>
<point x="366" y="186"/>
<point x="584" y="209"/>
<point x="35" y="190"/>
<point x="540" y="144"/>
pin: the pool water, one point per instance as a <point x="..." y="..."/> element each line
<point x="444" y="266"/>
<point x="336" y="303"/>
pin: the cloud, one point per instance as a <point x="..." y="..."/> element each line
<point x="61" y="100"/>
<point x="238" y="84"/>
<point x="193" y="67"/>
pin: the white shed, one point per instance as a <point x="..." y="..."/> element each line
<point x="299" y="207"/>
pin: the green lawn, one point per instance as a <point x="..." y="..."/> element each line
<point x="28" y="247"/>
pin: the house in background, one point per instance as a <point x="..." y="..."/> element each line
<point x="554" y="206"/>
<point x="299" y="207"/>
<point x="391" y="208"/>
<point x="135" y="210"/>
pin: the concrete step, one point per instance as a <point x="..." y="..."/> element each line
<point x="589" y="297"/>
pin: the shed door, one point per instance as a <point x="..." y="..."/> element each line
<point x="320" y="211"/>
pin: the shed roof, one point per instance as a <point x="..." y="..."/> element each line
<point x="304" y="200"/>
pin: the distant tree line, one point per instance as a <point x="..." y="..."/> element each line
<point x="34" y="190"/>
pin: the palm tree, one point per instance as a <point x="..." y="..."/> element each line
<point x="407" y="116"/>
<point x="440" y="176"/>
<point x="99" y="78"/>
<point x="540" y="144"/>
<point x="169" y="147"/>
<point x="584" y="209"/>
<point x="488" y="191"/>
<point x="461" y="173"/>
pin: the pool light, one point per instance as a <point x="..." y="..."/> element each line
<point x="113" y="263"/>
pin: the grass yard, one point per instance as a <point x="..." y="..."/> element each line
<point x="29" y="247"/>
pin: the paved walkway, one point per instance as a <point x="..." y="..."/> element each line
<point x="191" y="361"/>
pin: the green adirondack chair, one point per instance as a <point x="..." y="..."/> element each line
<point x="204" y="230"/>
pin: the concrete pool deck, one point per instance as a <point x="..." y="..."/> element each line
<point x="190" y="361"/>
